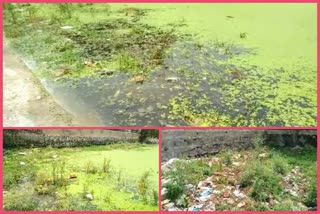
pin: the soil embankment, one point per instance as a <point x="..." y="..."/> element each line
<point x="26" y="103"/>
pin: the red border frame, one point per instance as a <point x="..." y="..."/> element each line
<point x="160" y="128"/>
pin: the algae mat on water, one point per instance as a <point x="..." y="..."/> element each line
<point x="173" y="64"/>
<point x="114" y="177"/>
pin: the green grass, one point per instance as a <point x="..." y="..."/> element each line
<point x="112" y="174"/>
<point x="260" y="178"/>
<point x="184" y="173"/>
<point x="189" y="172"/>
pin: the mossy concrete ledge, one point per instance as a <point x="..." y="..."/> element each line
<point x="65" y="138"/>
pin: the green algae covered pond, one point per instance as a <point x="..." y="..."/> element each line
<point x="173" y="64"/>
<point x="114" y="177"/>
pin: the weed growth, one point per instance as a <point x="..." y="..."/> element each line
<point x="106" y="167"/>
<point x="143" y="186"/>
<point x="90" y="168"/>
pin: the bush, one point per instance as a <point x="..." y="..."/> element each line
<point x="43" y="183"/>
<point x="227" y="158"/>
<point x="90" y="168"/>
<point x="74" y="203"/>
<point x="286" y="205"/>
<point x="144" y="134"/>
<point x="174" y="191"/>
<point x="65" y="9"/>
<point x="11" y="178"/>
<point x="127" y="63"/>
<point x="9" y="8"/>
<point x="265" y="182"/>
<point x="58" y="174"/>
<point x="248" y="174"/>
<point x="106" y="165"/>
<point x="311" y="200"/>
<point x="279" y="164"/>
<point x="43" y="178"/>
<point x="143" y="186"/>
<point x="155" y="197"/>
<point x="189" y="172"/>
<point x="20" y="201"/>
<point x="265" y="186"/>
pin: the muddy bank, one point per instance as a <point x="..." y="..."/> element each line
<point x="26" y="102"/>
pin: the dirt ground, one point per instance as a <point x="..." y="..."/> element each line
<point x="26" y="103"/>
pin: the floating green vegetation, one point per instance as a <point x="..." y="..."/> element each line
<point x="185" y="109"/>
<point x="107" y="178"/>
<point x="235" y="79"/>
<point x="86" y="49"/>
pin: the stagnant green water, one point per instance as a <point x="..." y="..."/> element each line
<point x="232" y="64"/>
<point x="284" y="34"/>
<point x="114" y="187"/>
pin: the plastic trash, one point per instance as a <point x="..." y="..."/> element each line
<point x="206" y="192"/>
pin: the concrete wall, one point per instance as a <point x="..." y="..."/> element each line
<point x="65" y="138"/>
<point x="194" y="143"/>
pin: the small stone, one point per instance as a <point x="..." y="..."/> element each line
<point x="216" y="191"/>
<point x="239" y="194"/>
<point x="296" y="170"/>
<point x="169" y="206"/>
<point x="165" y="202"/>
<point x="230" y="201"/>
<point x="54" y="156"/>
<point x="172" y="79"/>
<point x="293" y="193"/>
<point x="89" y="197"/>
<point x="204" y="198"/>
<point x="58" y="79"/>
<point x="22" y="163"/>
<point x="165" y="181"/>
<point x="164" y="191"/>
<point x="210" y="207"/>
<point x="173" y="209"/>
<point x="67" y="27"/>
<point x="38" y="97"/>
<point x="22" y="153"/>
<point x="61" y="72"/>
<point x="236" y="164"/>
<point x="72" y="176"/>
<point x="263" y="155"/>
<point x="226" y="194"/>
<point x="241" y="204"/>
<point x="189" y="186"/>
<point x="168" y="163"/>
<point x="150" y="108"/>
<point x="237" y="156"/>
<point x="139" y="79"/>
<point x="105" y="72"/>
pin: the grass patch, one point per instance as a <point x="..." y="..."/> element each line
<point x="112" y="178"/>
<point x="121" y="44"/>
<point x="189" y="172"/>
<point x="270" y="178"/>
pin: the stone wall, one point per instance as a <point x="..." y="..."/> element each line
<point x="194" y="143"/>
<point x="65" y="138"/>
<point x="291" y="138"/>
